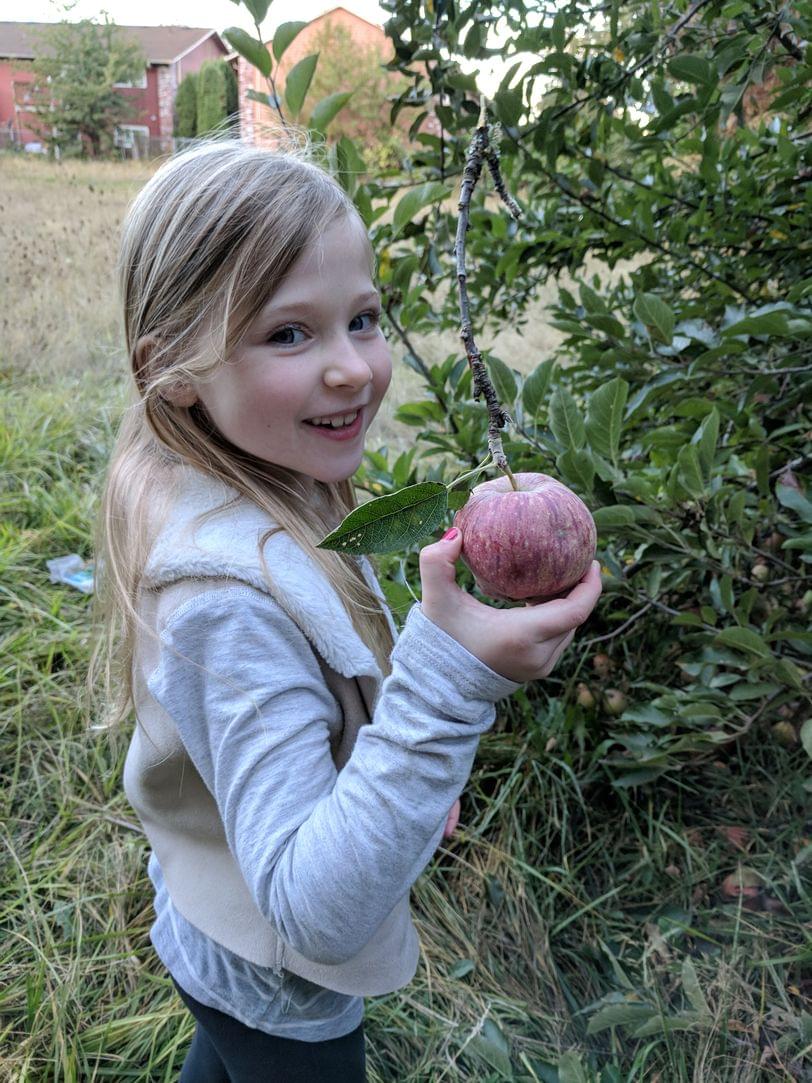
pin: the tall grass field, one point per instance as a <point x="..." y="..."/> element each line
<point x="571" y="932"/>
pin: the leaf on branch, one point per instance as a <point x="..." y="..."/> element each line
<point x="656" y="315"/>
<point x="415" y="201"/>
<point x="257" y="8"/>
<point x="391" y="522"/>
<point x="578" y="467"/>
<point x="326" y="110"/>
<point x="535" y="386"/>
<point x="794" y="499"/>
<point x="284" y="36"/>
<point x="604" y="417"/>
<point x="248" y="47"/>
<point x="692" y="69"/>
<point x="298" y="81"/>
<point x="768" y="323"/>
<point x="565" y="419"/>
<point x="743" y="639"/>
<point x="503" y="380"/>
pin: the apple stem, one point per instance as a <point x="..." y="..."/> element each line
<point x="511" y="478"/>
<point x="480" y="152"/>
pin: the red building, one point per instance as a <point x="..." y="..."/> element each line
<point x="171" y="52"/>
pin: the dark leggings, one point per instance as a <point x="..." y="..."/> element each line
<point x="225" y="1051"/>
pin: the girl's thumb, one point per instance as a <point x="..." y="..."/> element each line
<point x="437" y="565"/>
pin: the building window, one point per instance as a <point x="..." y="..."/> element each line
<point x="132" y="139"/>
<point x="140" y="85"/>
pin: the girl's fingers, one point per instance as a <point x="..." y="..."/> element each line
<point x="561" y="615"/>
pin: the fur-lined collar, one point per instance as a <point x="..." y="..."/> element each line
<point x="226" y="544"/>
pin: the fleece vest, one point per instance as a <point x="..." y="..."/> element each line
<point x="177" y="811"/>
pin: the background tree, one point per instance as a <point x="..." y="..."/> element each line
<point x="345" y="65"/>
<point x="76" y="68"/>
<point x="186" y="107"/>
<point x="216" y="95"/>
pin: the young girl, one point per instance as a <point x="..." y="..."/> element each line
<point x="293" y="768"/>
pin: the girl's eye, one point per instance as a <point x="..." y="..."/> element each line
<point x="367" y="321"/>
<point x="287" y="336"/>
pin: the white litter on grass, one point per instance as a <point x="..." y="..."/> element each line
<point x="73" y="571"/>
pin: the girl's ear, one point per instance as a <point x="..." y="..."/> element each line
<point x="179" y="393"/>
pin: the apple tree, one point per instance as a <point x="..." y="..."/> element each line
<point x="671" y="144"/>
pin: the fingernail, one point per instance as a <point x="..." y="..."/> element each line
<point x="450" y="535"/>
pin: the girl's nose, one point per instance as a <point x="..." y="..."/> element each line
<point x="347" y="368"/>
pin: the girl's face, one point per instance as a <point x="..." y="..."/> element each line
<point x="308" y="376"/>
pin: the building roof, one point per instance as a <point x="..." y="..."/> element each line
<point x="160" y="44"/>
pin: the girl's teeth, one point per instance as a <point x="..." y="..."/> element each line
<point x="335" y="422"/>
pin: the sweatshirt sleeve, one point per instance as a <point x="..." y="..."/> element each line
<point x="326" y="854"/>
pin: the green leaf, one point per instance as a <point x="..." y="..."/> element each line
<point x="660" y="1024"/>
<point x="613" y="517"/>
<point x="248" y="47"/>
<point x="565" y="419"/>
<point x="746" y="691"/>
<point x="743" y="639"/>
<point x="705" y="439"/>
<point x="284" y="36"/>
<point x="571" y="1069"/>
<point x="656" y="315"/>
<point x="504" y="381"/>
<point x="692" y="988"/>
<point x="347" y="163"/>
<point x="325" y="110"/>
<point x="578" y="467"/>
<point x="692" y="69"/>
<point x="258" y="96"/>
<point x="619" y="1015"/>
<point x="415" y="200"/>
<point x="768" y="323"/>
<point x="509" y="107"/>
<point x="790" y="497"/>
<point x="257" y="8"/>
<point x="689" y="472"/>
<point x="604" y="417"/>
<point x="297" y="83"/>
<point x="491" y="1044"/>
<point x="535" y="386"/>
<point x="461" y="968"/>
<point x="391" y="522"/>
<point x="806" y="736"/>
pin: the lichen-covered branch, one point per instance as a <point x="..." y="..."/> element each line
<point x="479" y="152"/>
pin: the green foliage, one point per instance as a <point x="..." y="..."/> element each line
<point x="216" y="93"/>
<point x="678" y="406"/>
<point x="77" y="104"/>
<point x="186" y="107"/>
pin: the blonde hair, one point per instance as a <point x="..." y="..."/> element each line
<point x="204" y="244"/>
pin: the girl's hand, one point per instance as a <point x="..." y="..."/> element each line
<point x="522" y="644"/>
<point x="453" y="820"/>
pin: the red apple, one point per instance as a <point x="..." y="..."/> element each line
<point x="534" y="542"/>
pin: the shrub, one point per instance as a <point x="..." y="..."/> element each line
<point x="186" y="107"/>
<point x="213" y="95"/>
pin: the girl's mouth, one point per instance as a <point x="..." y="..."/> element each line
<point x="341" y="427"/>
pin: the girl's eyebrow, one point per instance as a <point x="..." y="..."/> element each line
<point x="271" y="310"/>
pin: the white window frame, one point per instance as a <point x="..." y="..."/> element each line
<point x="131" y="129"/>
<point x="141" y="85"/>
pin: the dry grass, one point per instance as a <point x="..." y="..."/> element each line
<point x="59" y="228"/>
